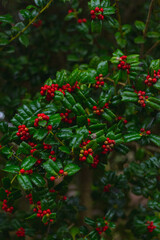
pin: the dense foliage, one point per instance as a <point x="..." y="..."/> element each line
<point x="80" y="160"/>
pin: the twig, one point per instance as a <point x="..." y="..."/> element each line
<point x="111" y="80"/>
<point x="146" y="25"/>
<point x="57" y="138"/>
<point x="48" y="230"/>
<point x="119" y="17"/>
<point x="13" y="178"/>
<point x="154" y="46"/>
<point x="25" y="28"/>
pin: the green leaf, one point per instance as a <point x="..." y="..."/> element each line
<point x="132" y="137"/>
<point x="90" y="222"/>
<point x="38" y="180"/>
<point x="45" y="219"/>
<point x="71" y="169"/>
<point x="65" y="133"/>
<point x="157" y="85"/>
<point x="78" y="109"/>
<point x="24" y="40"/>
<point x="90" y="159"/>
<point x="7" y="18"/>
<point x="95" y="3"/>
<point x="139" y="25"/>
<point x="12" y="169"/>
<point x="51" y="167"/>
<point x="24" y="181"/>
<point x="40" y="134"/>
<point x="55" y="119"/>
<point x="70" y="98"/>
<point x="155" y="65"/>
<point x="24" y="148"/>
<point x="139" y="40"/>
<point x="154" y="102"/>
<point x="7" y="152"/>
<point x="153" y="34"/>
<point x="65" y="149"/>
<point x="102" y="68"/>
<point x="52" y="215"/>
<point x="108" y="10"/>
<point x="28" y="162"/>
<point x="81" y="120"/>
<point x="76" y="141"/>
<point x="96" y="26"/>
<point x="155" y="139"/>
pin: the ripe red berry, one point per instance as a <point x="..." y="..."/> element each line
<point x="61" y="171"/>
<point x="97" y="9"/>
<point x="52" y="178"/>
<point x="22" y="171"/>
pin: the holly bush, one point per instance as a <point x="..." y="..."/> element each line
<point x="80" y="160"/>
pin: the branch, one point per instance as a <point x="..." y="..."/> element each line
<point x="25" y="28"/>
<point x="119" y="17"/>
<point x="148" y="18"/>
<point x="146" y="25"/>
<point x="154" y="46"/>
<point x="111" y="80"/>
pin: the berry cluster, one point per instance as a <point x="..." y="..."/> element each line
<point x="65" y="117"/>
<point x="97" y="13"/>
<point x="100" y="230"/>
<point x="150" y="81"/>
<point x="49" y="91"/>
<point x="22" y="171"/>
<point x="150" y="227"/>
<point x="20" y="232"/>
<point x="38" y="23"/>
<point x="8" y="192"/>
<point x="6" y="208"/>
<point x="23" y="132"/>
<point x="107" y="188"/>
<point x="41" y="214"/>
<point x="144" y="132"/>
<point x="41" y="117"/>
<point x="80" y="21"/>
<point x="142" y="98"/>
<point x="51" y="156"/>
<point x="32" y="144"/>
<point x="108" y="146"/>
<point x="100" y="111"/>
<point x="29" y="196"/>
<point x="121" y="118"/>
<point x="99" y="81"/>
<point x="61" y="172"/>
<point x="84" y="152"/>
<point x="123" y="65"/>
<point x="70" y="89"/>
<point x="47" y="146"/>
<point x="32" y="151"/>
<point x="96" y="161"/>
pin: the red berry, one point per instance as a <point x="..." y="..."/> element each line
<point x="61" y="171"/>
<point x="22" y="171"/>
<point x="52" y="178"/>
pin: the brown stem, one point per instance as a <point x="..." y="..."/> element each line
<point x="119" y="17"/>
<point x="146" y="26"/>
<point x="154" y="46"/>
<point x="111" y="80"/>
<point x="25" y="28"/>
<point x="85" y="184"/>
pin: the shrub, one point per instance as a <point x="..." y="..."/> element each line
<point x="95" y="128"/>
